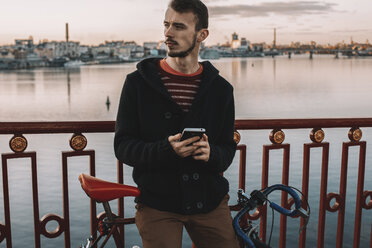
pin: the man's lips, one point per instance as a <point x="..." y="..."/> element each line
<point x="170" y="43"/>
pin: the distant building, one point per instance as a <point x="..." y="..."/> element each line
<point x="235" y="36"/>
<point x="150" y="45"/>
<point x="6" y="53"/>
<point x="161" y="45"/>
<point x="100" y="51"/>
<point x="83" y="49"/>
<point x="137" y="52"/>
<point x="122" y="52"/>
<point x="162" y="49"/>
<point x="118" y="43"/>
<point x="257" y="47"/>
<point x="235" y="43"/>
<point x="69" y="49"/>
<point x="244" y="44"/>
<point x="26" y="44"/>
<point x="20" y="53"/>
<point x="44" y="51"/>
<point x="130" y="44"/>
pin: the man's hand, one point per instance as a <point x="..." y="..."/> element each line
<point x="203" y="150"/>
<point x="183" y="148"/>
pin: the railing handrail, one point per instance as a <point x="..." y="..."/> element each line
<point x="302" y="123"/>
<point x="240" y="124"/>
<point x="57" y="127"/>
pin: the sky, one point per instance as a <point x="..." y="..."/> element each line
<point x="93" y="21"/>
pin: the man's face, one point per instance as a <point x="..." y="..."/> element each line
<point x="179" y="32"/>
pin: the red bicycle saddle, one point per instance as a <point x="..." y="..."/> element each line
<point x="102" y="191"/>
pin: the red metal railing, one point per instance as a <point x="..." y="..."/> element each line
<point x="18" y="144"/>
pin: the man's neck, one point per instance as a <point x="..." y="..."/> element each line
<point x="186" y="65"/>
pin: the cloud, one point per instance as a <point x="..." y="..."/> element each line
<point x="296" y="8"/>
<point x="360" y="30"/>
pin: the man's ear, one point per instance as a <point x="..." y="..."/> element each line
<point x="203" y="34"/>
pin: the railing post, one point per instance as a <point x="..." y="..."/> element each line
<point x="343" y="184"/>
<point x="284" y="197"/>
<point x="66" y="207"/>
<point x="323" y="190"/>
<point x="323" y="195"/>
<point x="7" y="225"/>
<point x="35" y="196"/>
<point x="359" y="195"/>
<point x="120" y="178"/>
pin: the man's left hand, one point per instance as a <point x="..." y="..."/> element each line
<point x="204" y="150"/>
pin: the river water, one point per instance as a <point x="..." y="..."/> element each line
<point x="323" y="87"/>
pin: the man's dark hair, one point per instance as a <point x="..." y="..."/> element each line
<point x="196" y="7"/>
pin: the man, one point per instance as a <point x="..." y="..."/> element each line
<point x="180" y="181"/>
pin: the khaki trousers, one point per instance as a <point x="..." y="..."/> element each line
<point x="160" y="229"/>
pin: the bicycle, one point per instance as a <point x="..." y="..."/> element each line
<point x="246" y="231"/>
<point x="103" y="192"/>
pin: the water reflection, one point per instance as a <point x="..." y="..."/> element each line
<point x="274" y="69"/>
<point x="264" y="88"/>
<point x="25" y="76"/>
<point x="235" y="70"/>
<point x="243" y="68"/>
<point x="108" y="103"/>
<point x="68" y="87"/>
<point x="58" y="73"/>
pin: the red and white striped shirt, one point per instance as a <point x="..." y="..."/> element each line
<point x="182" y="87"/>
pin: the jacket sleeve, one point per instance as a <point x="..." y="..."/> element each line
<point x="222" y="152"/>
<point x="129" y="147"/>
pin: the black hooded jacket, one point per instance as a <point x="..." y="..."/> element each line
<point x="148" y="115"/>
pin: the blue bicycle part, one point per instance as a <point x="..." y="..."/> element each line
<point x="239" y="231"/>
<point x="258" y="198"/>
<point x="290" y="191"/>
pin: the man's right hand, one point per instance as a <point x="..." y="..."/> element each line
<point x="182" y="148"/>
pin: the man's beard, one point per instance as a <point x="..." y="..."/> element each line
<point x="182" y="54"/>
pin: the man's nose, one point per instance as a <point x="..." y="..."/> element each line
<point x="168" y="32"/>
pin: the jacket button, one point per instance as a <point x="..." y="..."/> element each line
<point x="167" y="115"/>
<point x="195" y="176"/>
<point x="185" y="177"/>
<point x="199" y="205"/>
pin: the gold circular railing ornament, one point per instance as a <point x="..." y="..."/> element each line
<point x="18" y="143"/>
<point x="78" y="142"/>
<point x="317" y="135"/>
<point x="237" y="137"/>
<point x="355" y="134"/>
<point x="277" y="136"/>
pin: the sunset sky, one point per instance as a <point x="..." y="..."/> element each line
<point x="92" y="21"/>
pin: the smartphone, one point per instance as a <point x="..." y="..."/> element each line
<point x="192" y="132"/>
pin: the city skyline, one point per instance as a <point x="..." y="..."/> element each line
<point x="92" y="23"/>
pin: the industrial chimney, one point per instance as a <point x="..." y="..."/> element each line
<point x="66" y="32"/>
